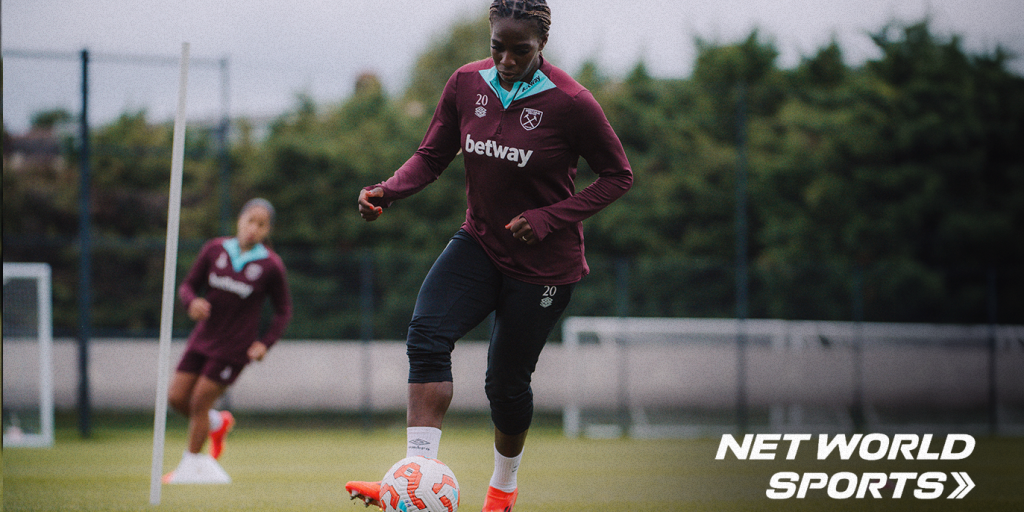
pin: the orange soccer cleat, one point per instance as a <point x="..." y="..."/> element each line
<point x="500" y="501"/>
<point x="369" y="492"/>
<point x="217" y="436"/>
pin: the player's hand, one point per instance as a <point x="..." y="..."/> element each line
<point x="522" y="231"/>
<point x="367" y="210"/>
<point x="199" y="309"/>
<point x="256" y="351"/>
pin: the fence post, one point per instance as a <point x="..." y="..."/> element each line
<point x="366" y="334"/>
<point x="85" y="257"/>
<point x="223" y="151"/>
<point x="742" y="277"/>
<point x="993" y="384"/>
<point x="622" y="286"/>
<point x="857" y="409"/>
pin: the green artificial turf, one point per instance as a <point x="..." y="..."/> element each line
<point x="296" y="463"/>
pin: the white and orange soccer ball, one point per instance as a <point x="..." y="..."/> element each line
<point x="416" y="484"/>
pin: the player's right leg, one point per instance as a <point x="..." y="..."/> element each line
<point x="179" y="393"/>
<point x="421" y="441"/>
<point x="368" y="492"/>
<point x="179" y="396"/>
<point x="457" y="294"/>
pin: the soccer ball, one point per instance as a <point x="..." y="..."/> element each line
<point x="419" y="484"/>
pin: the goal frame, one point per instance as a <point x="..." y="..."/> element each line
<point x="42" y="275"/>
<point x="809" y="375"/>
<point x="611" y="334"/>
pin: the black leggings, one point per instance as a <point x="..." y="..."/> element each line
<point x="460" y="291"/>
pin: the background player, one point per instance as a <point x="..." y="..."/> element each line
<point x="235" y="275"/>
<point x="522" y="125"/>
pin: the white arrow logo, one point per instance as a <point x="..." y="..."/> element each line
<point x="965" y="484"/>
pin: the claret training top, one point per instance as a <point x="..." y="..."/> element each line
<point x="521" y="150"/>
<point x="236" y="285"/>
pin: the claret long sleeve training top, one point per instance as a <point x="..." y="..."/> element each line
<point x="521" y="151"/>
<point x="236" y="285"/>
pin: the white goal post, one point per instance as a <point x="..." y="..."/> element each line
<point x="684" y="377"/>
<point x="27" y="356"/>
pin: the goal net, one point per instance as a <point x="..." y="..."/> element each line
<point x="27" y="356"/>
<point x="682" y="377"/>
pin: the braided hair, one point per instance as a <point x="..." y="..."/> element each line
<point x="523" y="9"/>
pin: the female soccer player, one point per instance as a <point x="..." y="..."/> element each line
<point x="237" y="275"/>
<point x="522" y="125"/>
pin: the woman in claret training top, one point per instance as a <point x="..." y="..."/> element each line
<point x="224" y="293"/>
<point x="521" y="124"/>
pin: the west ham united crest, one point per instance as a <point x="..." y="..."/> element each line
<point x="530" y="118"/>
<point x="253" y="271"/>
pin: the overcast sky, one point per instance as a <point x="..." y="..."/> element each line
<point x="279" y="48"/>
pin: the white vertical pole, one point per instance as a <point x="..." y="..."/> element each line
<point x="170" y="264"/>
<point x="44" y="295"/>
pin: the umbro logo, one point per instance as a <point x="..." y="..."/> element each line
<point x="419" y="442"/>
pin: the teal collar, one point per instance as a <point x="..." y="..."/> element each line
<point x="240" y="259"/>
<point x="520" y="90"/>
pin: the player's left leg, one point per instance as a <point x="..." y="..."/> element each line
<point x="525" y="316"/>
<point x="217" y="376"/>
<point x="221" y="422"/>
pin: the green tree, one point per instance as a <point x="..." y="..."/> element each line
<point x="902" y="168"/>
<point x="49" y="119"/>
<point x="465" y="42"/>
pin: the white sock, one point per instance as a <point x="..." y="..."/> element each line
<point x="422" y="441"/>
<point x="216" y="421"/>
<point x="505" y="469"/>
